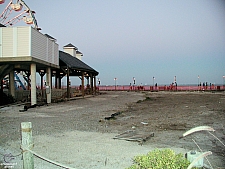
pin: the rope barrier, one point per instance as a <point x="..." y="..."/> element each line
<point x="202" y="152"/>
<point x="44" y="158"/>
<point x="11" y="154"/>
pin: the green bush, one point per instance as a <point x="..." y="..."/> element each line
<point x="160" y="159"/>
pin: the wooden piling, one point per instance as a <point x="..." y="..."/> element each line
<point x="27" y="142"/>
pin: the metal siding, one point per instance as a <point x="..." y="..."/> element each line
<point x="50" y="54"/>
<point x="14" y="42"/>
<point x="46" y="50"/>
<point x="7" y="42"/>
<point x="26" y="41"/>
<point x="30" y="41"/>
<point x="56" y="54"/>
<point x="38" y="45"/>
<point x="53" y="53"/>
<point x="23" y="41"/>
<point x="42" y="48"/>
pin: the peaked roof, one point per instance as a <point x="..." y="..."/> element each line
<point x="75" y="63"/>
<point x="70" y="46"/>
<point x="78" y="52"/>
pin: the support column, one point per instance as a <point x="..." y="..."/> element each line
<point x="82" y="87"/>
<point x="12" y="83"/>
<point x="68" y="82"/>
<point x="57" y="80"/>
<point x="42" y="73"/>
<point x="28" y="80"/>
<point x="56" y="85"/>
<point x="42" y="90"/>
<point x="60" y="82"/>
<point x="91" y="84"/>
<point x="88" y="82"/>
<point x="95" y="85"/>
<point x="33" y="84"/>
<point x="48" y="83"/>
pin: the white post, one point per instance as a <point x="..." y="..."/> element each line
<point x="27" y="142"/>
<point x="33" y="84"/>
<point x="49" y="82"/>
<point x="12" y="83"/>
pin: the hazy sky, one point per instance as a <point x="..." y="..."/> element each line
<point x="141" y="38"/>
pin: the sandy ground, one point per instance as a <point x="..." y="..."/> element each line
<point x="76" y="134"/>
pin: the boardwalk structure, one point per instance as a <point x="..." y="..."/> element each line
<point x="26" y="49"/>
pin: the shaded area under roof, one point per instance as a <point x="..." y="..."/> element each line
<point x="75" y="63"/>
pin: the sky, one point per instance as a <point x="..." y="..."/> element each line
<point x="141" y="38"/>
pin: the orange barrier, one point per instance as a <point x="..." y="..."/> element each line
<point x="154" y="88"/>
<point x="160" y="88"/>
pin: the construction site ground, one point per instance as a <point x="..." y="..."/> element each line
<point x="88" y="132"/>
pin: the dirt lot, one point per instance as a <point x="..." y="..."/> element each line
<point x="79" y="133"/>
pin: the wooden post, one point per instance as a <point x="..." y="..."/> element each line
<point x="95" y="85"/>
<point x="91" y="77"/>
<point x="68" y="81"/>
<point x="82" y="87"/>
<point x="27" y="141"/>
<point x="42" y="90"/>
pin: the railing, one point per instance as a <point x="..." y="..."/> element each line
<point x="74" y="90"/>
<point x="161" y="88"/>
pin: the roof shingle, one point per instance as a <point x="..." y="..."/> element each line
<point x="75" y="63"/>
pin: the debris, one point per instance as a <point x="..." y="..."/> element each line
<point x="132" y="135"/>
<point x="28" y="106"/>
<point x="115" y="114"/>
<point x="112" y="116"/>
<point x="109" y="118"/>
<point x="144" y="123"/>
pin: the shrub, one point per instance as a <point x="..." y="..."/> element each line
<point x="160" y="159"/>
